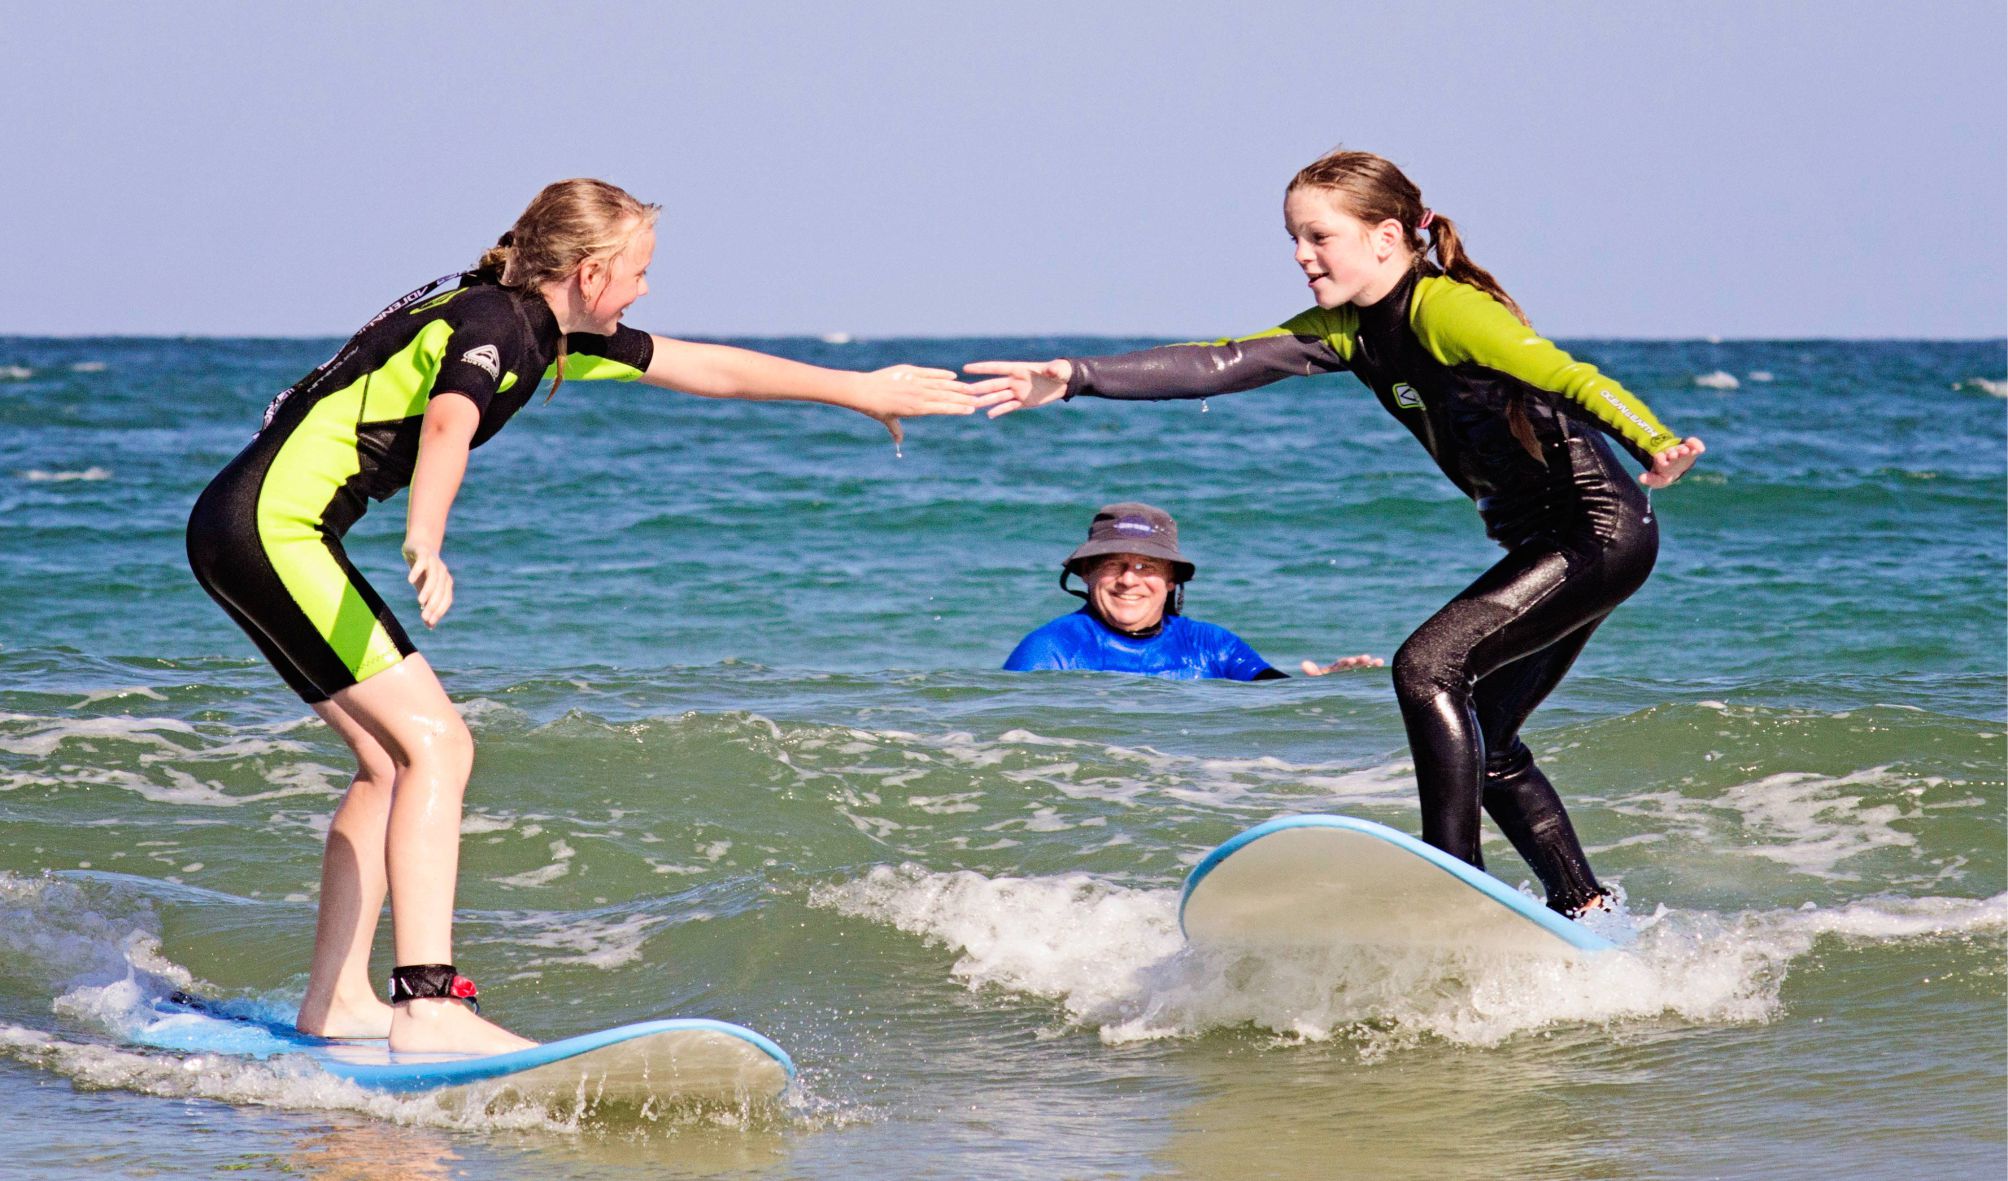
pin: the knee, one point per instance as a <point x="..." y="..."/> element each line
<point x="375" y="771"/>
<point x="1420" y="673"/>
<point x="1509" y="762"/>
<point x="444" y="744"/>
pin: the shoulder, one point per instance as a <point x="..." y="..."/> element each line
<point x="488" y="312"/>
<point x="1199" y="631"/>
<point x="482" y="299"/>
<point x="1440" y="297"/>
<point x="1223" y="653"/>
<point x="1332" y="324"/>
<point x="1051" y="643"/>
<point x="1458" y="322"/>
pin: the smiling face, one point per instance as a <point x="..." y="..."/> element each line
<point x="607" y="286"/>
<point x="1344" y="259"/>
<point x="1129" y="590"/>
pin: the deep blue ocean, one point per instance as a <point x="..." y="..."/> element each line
<point x="744" y="752"/>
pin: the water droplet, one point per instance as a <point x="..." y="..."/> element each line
<point x="1202" y="406"/>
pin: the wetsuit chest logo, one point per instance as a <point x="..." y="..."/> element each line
<point x="1406" y="397"/>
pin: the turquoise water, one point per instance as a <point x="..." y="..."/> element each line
<point x="743" y="753"/>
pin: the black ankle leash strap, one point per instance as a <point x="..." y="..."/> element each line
<point x="418" y="982"/>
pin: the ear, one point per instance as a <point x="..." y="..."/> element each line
<point x="593" y="277"/>
<point x="1387" y="238"/>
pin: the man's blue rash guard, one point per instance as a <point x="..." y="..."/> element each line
<point x="1183" y="650"/>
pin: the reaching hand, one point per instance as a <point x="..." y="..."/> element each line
<point x="909" y="391"/>
<point x="1313" y="669"/>
<point x="1671" y="464"/>
<point x="433" y="580"/>
<point x="1021" y="384"/>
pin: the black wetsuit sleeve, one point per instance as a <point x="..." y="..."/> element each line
<point x="1314" y="342"/>
<point x="486" y="344"/>
<point x="1271" y="674"/>
<point x="622" y="356"/>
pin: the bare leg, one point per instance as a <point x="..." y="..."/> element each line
<point x="340" y="1001"/>
<point x="407" y="711"/>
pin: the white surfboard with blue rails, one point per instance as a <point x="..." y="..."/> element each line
<point x="683" y="1059"/>
<point x="1337" y="880"/>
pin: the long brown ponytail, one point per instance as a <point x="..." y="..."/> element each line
<point x="567" y="223"/>
<point x="1373" y="190"/>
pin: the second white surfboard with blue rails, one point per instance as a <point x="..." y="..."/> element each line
<point x="673" y="1060"/>
<point x="1330" y="881"/>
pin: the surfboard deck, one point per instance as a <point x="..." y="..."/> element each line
<point x="692" y="1059"/>
<point x="1338" y="880"/>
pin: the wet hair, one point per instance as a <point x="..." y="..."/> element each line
<point x="1372" y="189"/>
<point x="569" y="222"/>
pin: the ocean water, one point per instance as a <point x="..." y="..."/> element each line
<point x="743" y="752"/>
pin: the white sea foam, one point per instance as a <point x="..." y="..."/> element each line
<point x="480" y="822"/>
<point x="165" y="745"/>
<point x="585" y="939"/>
<point x="1987" y="385"/>
<point x="1815" y="824"/>
<point x="559" y="866"/>
<point x="1142" y="776"/>
<point x="59" y="934"/>
<point x="39" y="737"/>
<point x="93" y="946"/>
<point x="1759" y="375"/>
<point x="1811" y="823"/>
<point x="1113" y="959"/>
<point x="41" y="476"/>
<point x="97" y="695"/>
<point x="15" y="373"/>
<point x="87" y="367"/>
<point x="1717" y="380"/>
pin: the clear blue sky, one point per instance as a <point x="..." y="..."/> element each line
<point x="1745" y="169"/>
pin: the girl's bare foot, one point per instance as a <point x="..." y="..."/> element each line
<point x="370" y="1018"/>
<point x="444" y="1025"/>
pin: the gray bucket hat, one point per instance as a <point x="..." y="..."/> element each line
<point x="1131" y="528"/>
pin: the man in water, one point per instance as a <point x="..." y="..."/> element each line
<point x="1132" y="622"/>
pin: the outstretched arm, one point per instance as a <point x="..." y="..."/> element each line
<point x="888" y="395"/>
<point x="1307" y="344"/>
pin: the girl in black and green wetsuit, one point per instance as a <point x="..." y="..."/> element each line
<point x="401" y="405"/>
<point x="1513" y="421"/>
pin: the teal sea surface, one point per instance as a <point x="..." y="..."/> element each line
<point x="744" y="752"/>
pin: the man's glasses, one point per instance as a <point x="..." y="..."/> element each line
<point x="1142" y="567"/>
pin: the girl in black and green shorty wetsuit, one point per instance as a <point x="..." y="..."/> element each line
<point x="1512" y="420"/>
<point x="400" y="406"/>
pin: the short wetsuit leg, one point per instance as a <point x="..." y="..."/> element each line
<point x="263" y="577"/>
<point x="1537" y="596"/>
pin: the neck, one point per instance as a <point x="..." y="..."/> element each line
<point x="1135" y="633"/>
<point x="567" y="306"/>
<point x="1386" y="279"/>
